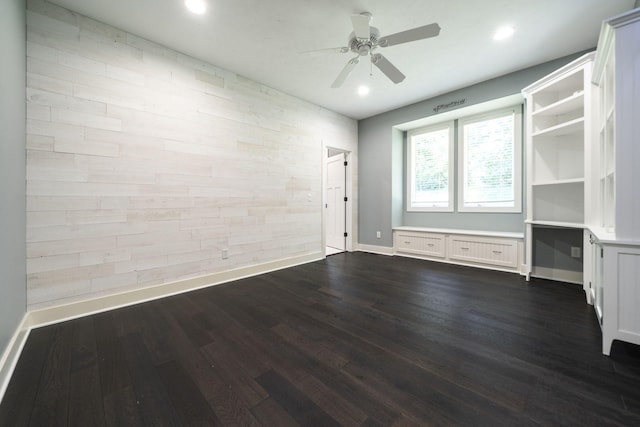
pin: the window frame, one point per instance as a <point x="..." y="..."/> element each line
<point x="450" y="125"/>
<point x="517" y="160"/>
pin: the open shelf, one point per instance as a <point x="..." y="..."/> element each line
<point x="608" y="198"/>
<point x="558" y="90"/>
<point x="562" y="202"/>
<point x="563" y="106"/>
<point x="559" y="182"/>
<point x="609" y="146"/>
<point x="571" y="126"/>
<point x="557" y="159"/>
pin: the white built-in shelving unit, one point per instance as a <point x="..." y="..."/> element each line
<point x="583" y="170"/>
<point x="614" y="229"/>
<point x="559" y="123"/>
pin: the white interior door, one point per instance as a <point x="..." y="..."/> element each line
<point x="335" y="207"/>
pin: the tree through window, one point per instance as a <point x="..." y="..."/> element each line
<point x="431" y="159"/>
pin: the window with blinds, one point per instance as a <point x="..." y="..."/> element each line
<point x="430" y="164"/>
<point x="489" y="168"/>
<point x="488" y="158"/>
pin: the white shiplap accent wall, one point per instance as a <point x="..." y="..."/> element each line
<point x="144" y="163"/>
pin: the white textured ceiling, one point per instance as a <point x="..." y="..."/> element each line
<point x="265" y="40"/>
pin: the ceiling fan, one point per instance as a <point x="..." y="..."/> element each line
<point x="365" y="39"/>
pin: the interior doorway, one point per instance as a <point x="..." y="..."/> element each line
<point x="336" y="202"/>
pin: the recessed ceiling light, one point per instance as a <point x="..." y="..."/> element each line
<point x="363" y="90"/>
<point x="503" y="33"/>
<point x="196" y="6"/>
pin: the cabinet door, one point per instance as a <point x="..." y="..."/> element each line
<point x="625" y="294"/>
<point x="598" y="280"/>
<point x="502" y="252"/>
<point x="588" y="267"/>
<point x="421" y="244"/>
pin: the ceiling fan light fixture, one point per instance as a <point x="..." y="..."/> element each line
<point x="198" y="7"/>
<point x="503" y="33"/>
<point x="363" y="90"/>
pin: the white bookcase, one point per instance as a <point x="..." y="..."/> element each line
<point x="559" y="123"/>
<point x="615" y="228"/>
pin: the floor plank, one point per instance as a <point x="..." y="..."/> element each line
<point x="151" y="396"/>
<point x="52" y="400"/>
<point x="19" y="400"/>
<point x="296" y="403"/>
<point x="192" y="407"/>
<point x="357" y="339"/>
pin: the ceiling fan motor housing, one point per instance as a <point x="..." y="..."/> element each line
<point x="362" y="46"/>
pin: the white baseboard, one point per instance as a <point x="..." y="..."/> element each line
<point x="380" y="250"/>
<point x="11" y="354"/>
<point x="55" y="314"/>
<point x="557" y="274"/>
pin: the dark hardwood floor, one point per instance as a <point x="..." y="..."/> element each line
<point x="356" y="339"/>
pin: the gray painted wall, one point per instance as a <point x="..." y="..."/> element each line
<point x="552" y="248"/>
<point x="381" y="178"/>
<point x="12" y="167"/>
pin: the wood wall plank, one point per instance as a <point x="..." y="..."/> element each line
<point x="144" y="163"/>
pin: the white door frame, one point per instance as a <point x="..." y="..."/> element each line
<point x="336" y="208"/>
<point x="349" y="225"/>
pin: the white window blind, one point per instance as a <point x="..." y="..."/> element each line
<point x="490" y="163"/>
<point x="430" y="163"/>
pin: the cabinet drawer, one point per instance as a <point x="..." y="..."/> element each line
<point x="486" y="251"/>
<point x="422" y="244"/>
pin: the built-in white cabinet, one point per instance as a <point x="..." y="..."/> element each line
<point x="583" y="170"/>
<point x="615" y="290"/>
<point x="420" y="243"/>
<point x="559" y="124"/>
<point x="500" y="252"/>
<point x="615" y="228"/>
<point x="495" y="250"/>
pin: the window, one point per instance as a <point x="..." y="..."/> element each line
<point x="430" y="165"/>
<point x="489" y="168"/>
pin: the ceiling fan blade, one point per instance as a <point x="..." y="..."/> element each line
<point x="414" y="34"/>
<point x="387" y="68"/>
<point x="342" y="49"/>
<point x="345" y="72"/>
<point x="361" y="25"/>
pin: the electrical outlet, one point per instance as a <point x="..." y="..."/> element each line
<point x="575" y="251"/>
<point x="378" y="234"/>
<point x="225" y="253"/>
